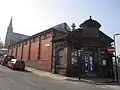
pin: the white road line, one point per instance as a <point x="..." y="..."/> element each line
<point x="32" y="83"/>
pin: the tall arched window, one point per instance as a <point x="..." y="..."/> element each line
<point x="60" y="57"/>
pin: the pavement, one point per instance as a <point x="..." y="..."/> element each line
<point x="26" y="80"/>
<point x="96" y="81"/>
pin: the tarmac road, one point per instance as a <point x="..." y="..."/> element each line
<point x="19" y="80"/>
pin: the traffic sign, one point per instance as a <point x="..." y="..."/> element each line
<point x="111" y="49"/>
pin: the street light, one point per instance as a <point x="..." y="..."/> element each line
<point x="115" y="55"/>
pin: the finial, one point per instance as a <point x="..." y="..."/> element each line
<point x="73" y="26"/>
<point x="90" y="17"/>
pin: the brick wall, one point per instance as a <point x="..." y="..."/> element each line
<point x="43" y="48"/>
<point x="19" y="49"/>
<point x="44" y="62"/>
<point x="46" y="52"/>
<point x="10" y="51"/>
<point x="65" y="55"/>
<point x="14" y="52"/>
<point x="34" y="48"/>
<point x="25" y="51"/>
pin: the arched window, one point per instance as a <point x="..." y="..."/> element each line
<point x="60" y="57"/>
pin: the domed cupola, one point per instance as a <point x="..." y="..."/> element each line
<point x="90" y="28"/>
<point x="90" y="23"/>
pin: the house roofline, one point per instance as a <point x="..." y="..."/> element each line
<point x="33" y="36"/>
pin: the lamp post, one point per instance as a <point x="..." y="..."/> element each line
<point x="115" y="56"/>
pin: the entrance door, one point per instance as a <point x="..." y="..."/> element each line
<point x="89" y="63"/>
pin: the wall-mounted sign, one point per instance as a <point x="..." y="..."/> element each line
<point x="104" y="62"/>
<point x="47" y="45"/>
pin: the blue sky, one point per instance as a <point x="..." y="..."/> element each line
<point x="33" y="16"/>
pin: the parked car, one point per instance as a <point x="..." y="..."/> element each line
<point x="16" y="64"/>
<point x="5" y="59"/>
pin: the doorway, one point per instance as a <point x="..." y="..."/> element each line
<point x="90" y="66"/>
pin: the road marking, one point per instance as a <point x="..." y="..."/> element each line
<point x="32" y="83"/>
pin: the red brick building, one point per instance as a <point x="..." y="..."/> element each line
<point x="61" y="50"/>
<point x="37" y="49"/>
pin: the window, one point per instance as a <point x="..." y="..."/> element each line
<point x="60" y="57"/>
<point x="74" y="56"/>
<point x="35" y="39"/>
<point x="45" y="36"/>
<point x="19" y="44"/>
<point x="49" y="35"/>
<point x="26" y="42"/>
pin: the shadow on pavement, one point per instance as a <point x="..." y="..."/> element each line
<point x="108" y="83"/>
<point x="94" y="81"/>
<point x="74" y="80"/>
<point x="26" y="71"/>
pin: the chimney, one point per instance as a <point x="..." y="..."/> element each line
<point x="73" y="26"/>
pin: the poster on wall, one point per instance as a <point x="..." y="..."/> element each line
<point x="104" y="62"/>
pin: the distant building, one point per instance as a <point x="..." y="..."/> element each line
<point x="12" y="37"/>
<point x="3" y="51"/>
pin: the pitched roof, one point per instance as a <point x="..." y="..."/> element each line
<point x="102" y="36"/>
<point x="62" y="27"/>
<point x="78" y="34"/>
<point x="21" y="34"/>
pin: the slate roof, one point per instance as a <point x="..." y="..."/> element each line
<point x="62" y="27"/>
<point x="78" y="34"/>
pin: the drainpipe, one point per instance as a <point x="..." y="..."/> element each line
<point x="29" y="50"/>
<point x="22" y="51"/>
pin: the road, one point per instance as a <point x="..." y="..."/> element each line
<point x="18" y="80"/>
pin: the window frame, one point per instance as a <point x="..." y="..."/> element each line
<point x="60" y="61"/>
<point x="26" y="42"/>
<point x="34" y="39"/>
